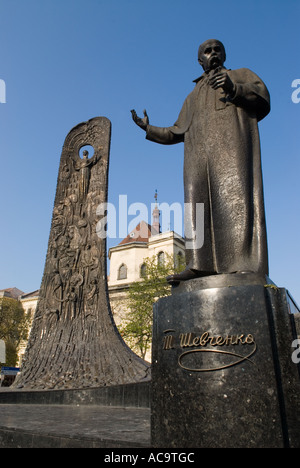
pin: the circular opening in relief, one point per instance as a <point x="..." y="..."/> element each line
<point x="84" y="149"/>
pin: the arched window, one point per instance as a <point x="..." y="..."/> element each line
<point x="143" y="270"/>
<point x="161" y="258"/>
<point x="122" y="274"/>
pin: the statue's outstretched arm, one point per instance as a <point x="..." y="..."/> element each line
<point x="162" y="135"/>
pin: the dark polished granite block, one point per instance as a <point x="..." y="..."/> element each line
<point x="129" y="395"/>
<point x="222" y="373"/>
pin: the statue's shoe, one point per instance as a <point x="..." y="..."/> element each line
<point x="186" y="275"/>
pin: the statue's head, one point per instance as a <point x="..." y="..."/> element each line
<point x="211" y="54"/>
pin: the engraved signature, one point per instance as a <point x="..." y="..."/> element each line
<point x="186" y="360"/>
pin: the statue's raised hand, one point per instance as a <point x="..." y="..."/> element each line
<point x="143" y="123"/>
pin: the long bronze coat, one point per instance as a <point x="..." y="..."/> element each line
<point x="222" y="169"/>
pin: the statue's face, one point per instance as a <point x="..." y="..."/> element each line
<point x="212" y="55"/>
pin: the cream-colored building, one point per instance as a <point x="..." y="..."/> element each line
<point x="29" y="302"/>
<point x="127" y="260"/>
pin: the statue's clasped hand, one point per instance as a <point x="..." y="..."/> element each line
<point x="222" y="80"/>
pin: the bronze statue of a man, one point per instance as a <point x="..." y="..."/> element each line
<point x="222" y="165"/>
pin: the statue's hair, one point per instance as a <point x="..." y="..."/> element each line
<point x="203" y="45"/>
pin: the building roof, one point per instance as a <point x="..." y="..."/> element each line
<point x="13" y="293"/>
<point x="140" y="233"/>
<point x="30" y="295"/>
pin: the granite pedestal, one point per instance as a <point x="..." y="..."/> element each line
<point x="222" y="372"/>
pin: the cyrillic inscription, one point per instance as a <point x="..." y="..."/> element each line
<point x="207" y="343"/>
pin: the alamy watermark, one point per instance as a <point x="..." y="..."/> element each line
<point x="296" y="93"/>
<point x="296" y="353"/>
<point x="2" y="92"/>
<point x="113" y="217"/>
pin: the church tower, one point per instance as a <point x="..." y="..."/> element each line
<point x="155" y="228"/>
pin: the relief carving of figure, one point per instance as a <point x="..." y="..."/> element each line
<point x="84" y="166"/>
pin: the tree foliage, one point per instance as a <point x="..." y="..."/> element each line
<point x="137" y="325"/>
<point x="14" y="326"/>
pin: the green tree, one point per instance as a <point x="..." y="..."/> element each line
<point x="14" y="327"/>
<point x="137" y="326"/>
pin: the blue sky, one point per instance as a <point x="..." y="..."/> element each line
<point x="66" y="61"/>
